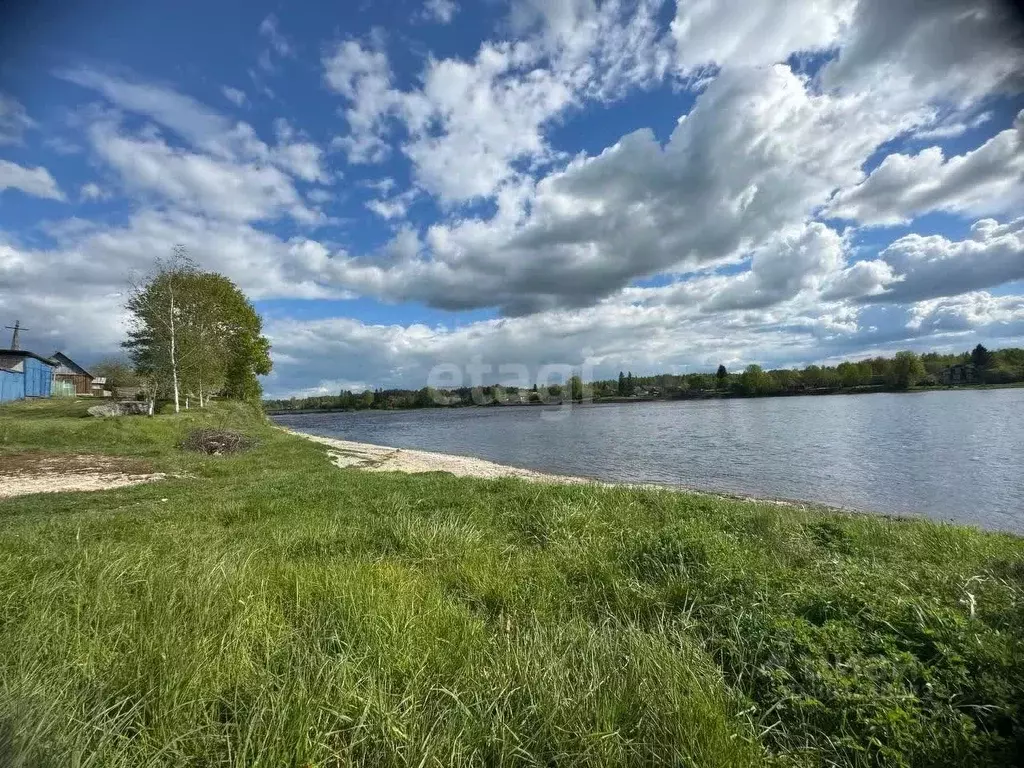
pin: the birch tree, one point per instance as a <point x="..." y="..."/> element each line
<point x="203" y="350"/>
<point x="154" y="335"/>
<point x="194" y="334"/>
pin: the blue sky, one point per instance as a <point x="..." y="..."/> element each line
<point x="646" y="185"/>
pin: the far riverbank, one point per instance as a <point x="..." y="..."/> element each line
<point x="624" y="400"/>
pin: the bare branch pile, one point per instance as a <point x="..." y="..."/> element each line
<point x="215" y="442"/>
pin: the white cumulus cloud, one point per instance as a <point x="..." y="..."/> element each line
<point x="36" y="182"/>
<point x="989" y="179"/>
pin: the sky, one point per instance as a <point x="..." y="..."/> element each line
<point x="647" y="186"/>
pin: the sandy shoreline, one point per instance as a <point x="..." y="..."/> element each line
<point x="379" y="458"/>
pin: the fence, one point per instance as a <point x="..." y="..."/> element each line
<point x="63" y="388"/>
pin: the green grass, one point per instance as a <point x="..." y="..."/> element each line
<point x="270" y="609"/>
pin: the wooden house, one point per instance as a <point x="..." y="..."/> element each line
<point x="70" y="378"/>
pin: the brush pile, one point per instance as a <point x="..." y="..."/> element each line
<point x="216" y="442"/>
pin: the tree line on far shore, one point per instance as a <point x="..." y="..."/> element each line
<point x="903" y="371"/>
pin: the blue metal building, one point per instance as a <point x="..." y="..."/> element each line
<point x="24" y="374"/>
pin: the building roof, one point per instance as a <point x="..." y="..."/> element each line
<point x="70" y="364"/>
<point x="26" y="353"/>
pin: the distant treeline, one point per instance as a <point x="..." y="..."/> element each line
<point x="904" y="371"/>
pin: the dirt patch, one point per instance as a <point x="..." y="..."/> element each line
<point x="24" y="473"/>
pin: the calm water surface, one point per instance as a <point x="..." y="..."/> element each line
<point x="948" y="455"/>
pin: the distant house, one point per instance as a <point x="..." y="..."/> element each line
<point x="99" y="387"/>
<point x="961" y="373"/>
<point x="70" y="378"/>
<point x="25" y="374"/>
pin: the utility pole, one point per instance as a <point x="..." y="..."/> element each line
<point x="14" y="337"/>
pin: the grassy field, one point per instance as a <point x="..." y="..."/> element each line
<point x="269" y="609"/>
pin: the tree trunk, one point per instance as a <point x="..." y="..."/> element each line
<point x="174" y="357"/>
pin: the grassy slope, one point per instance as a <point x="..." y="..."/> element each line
<point x="271" y="610"/>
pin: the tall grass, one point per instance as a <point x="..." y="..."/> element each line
<point x="269" y="609"/>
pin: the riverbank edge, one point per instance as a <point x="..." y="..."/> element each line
<point x="382" y="458"/>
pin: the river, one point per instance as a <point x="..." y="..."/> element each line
<point x="949" y="455"/>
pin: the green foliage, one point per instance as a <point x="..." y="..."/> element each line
<point x="239" y="329"/>
<point x="270" y="609"/>
<point x="812" y="377"/>
<point x="196" y="332"/>
<point x="981" y="357"/>
<point x="153" y="339"/>
<point x="427" y="397"/>
<point x="1005" y="366"/>
<point x="576" y="388"/>
<point x="785" y="380"/>
<point x="118" y="372"/>
<point x="754" y="381"/>
<point x="936" y="363"/>
<point x="1012" y="359"/>
<point x="906" y="370"/>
